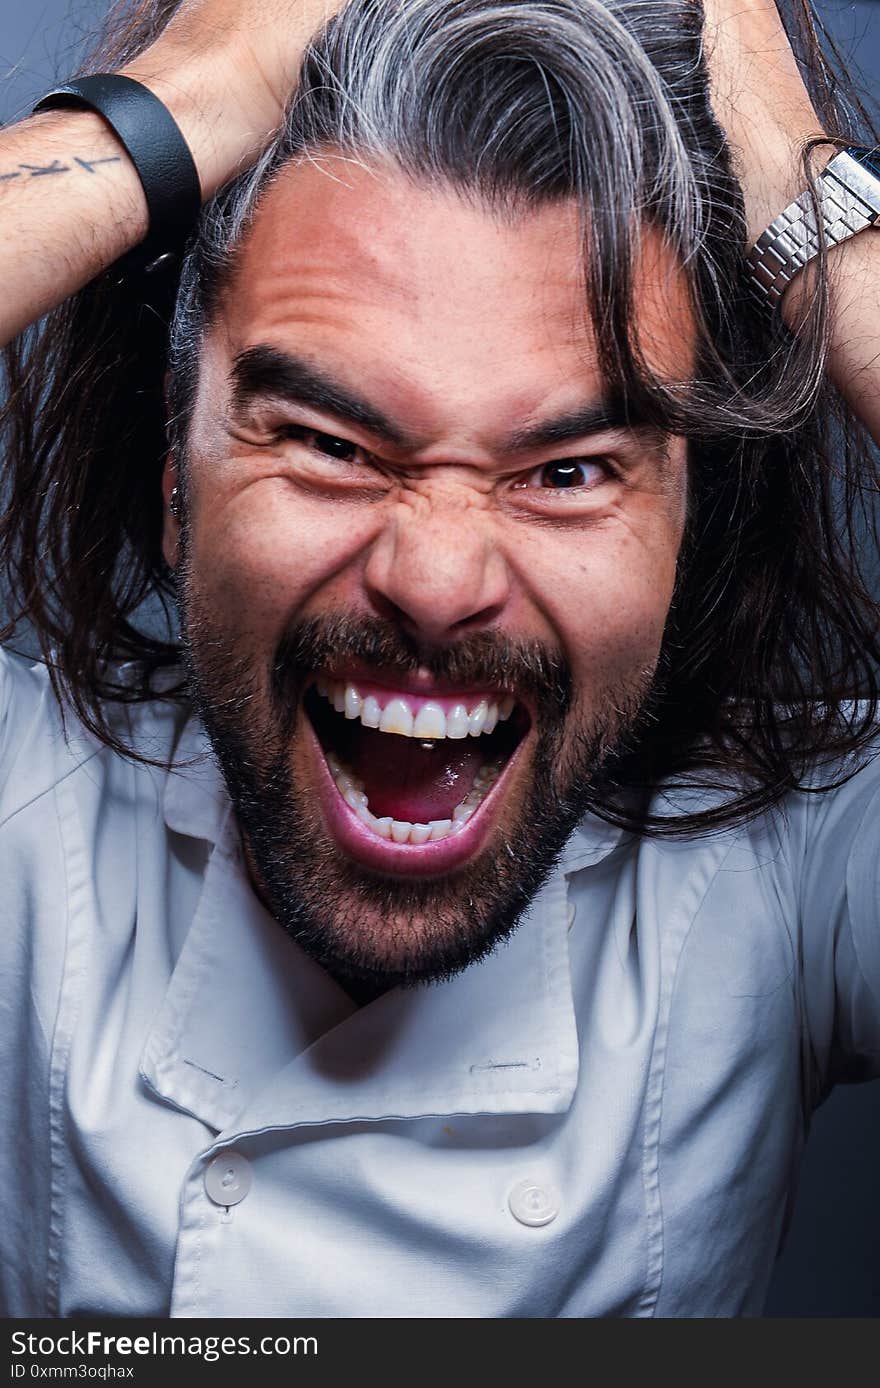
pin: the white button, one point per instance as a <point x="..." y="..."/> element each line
<point x="228" y="1178"/>
<point x="572" y="912"/>
<point x="534" y="1204"/>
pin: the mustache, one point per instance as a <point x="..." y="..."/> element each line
<point x="527" y="667"/>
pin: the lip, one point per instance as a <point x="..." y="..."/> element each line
<point x="405" y="859"/>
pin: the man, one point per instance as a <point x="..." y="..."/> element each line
<point x="492" y="964"/>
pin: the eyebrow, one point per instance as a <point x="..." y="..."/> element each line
<point x="265" y="372"/>
<point x="611" y="413"/>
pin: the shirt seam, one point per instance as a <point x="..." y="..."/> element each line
<point x="654" y="1095"/>
<point x="73" y="976"/>
<point x="49" y="790"/>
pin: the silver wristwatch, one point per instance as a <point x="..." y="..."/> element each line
<point x="848" y="190"/>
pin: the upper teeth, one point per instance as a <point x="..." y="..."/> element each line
<point x="396" y="715"/>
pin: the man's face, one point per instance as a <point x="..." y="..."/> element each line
<point x="409" y="505"/>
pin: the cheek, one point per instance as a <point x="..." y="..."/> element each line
<point x="261" y="554"/>
<point x="619" y="636"/>
<point x="610" y="600"/>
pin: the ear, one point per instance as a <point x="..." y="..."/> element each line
<point x="170" y="522"/>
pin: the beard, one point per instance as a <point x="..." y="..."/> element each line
<point x="373" y="932"/>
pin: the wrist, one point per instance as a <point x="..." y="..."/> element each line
<point x="225" y="115"/>
<point x="175" y="94"/>
<point x="779" y="179"/>
<point x="854" y="272"/>
<point x="155" y="146"/>
<point x="83" y="139"/>
<point x="226" y="78"/>
<point x="842" y="203"/>
<point x="222" y="136"/>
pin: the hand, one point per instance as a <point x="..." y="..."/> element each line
<point x="225" y="69"/>
<point x="761" y="102"/>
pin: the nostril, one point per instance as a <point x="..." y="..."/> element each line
<point x="437" y="617"/>
<point x="430" y="626"/>
<point x="437" y="582"/>
<point x="386" y="607"/>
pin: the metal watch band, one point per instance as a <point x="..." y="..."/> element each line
<point x="849" y="201"/>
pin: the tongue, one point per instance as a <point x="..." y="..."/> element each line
<point x="411" y="781"/>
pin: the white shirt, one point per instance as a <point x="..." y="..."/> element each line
<point x="643" y="1055"/>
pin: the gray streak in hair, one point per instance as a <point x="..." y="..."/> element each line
<point x="517" y="105"/>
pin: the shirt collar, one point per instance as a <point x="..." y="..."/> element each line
<point x="195" y="801"/>
<point x="498" y="1038"/>
<point x="253" y="1035"/>
<point x="591" y="841"/>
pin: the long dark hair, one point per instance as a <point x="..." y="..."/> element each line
<point x="771" y="652"/>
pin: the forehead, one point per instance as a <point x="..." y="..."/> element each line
<point x="437" y="301"/>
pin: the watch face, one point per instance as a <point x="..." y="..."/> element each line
<point x="870" y="158"/>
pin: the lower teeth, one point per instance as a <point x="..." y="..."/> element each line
<point x="400" y="830"/>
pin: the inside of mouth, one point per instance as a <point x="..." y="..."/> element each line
<point x="407" y="778"/>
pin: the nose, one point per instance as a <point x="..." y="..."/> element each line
<point x="436" y="569"/>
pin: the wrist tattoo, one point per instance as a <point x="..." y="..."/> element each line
<point x="57" y="167"/>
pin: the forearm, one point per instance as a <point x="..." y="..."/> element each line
<point x="763" y="105"/>
<point x="70" y="204"/>
<point x="70" y="200"/>
<point x="854" y="360"/>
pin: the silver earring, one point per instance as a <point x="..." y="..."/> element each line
<point x="174" y="503"/>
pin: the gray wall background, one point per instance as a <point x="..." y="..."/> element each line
<point x="831" y="1263"/>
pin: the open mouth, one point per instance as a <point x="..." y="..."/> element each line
<point x="414" y="769"/>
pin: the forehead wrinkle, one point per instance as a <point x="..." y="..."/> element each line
<point x="379" y="273"/>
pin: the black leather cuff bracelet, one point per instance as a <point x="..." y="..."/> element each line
<point x="154" y="144"/>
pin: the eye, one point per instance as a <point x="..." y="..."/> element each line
<point x="569" y="474"/>
<point x="329" y="445"/>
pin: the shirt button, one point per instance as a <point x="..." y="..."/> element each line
<point x="572" y="912"/>
<point x="534" y="1204"/>
<point x="228" y="1178"/>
